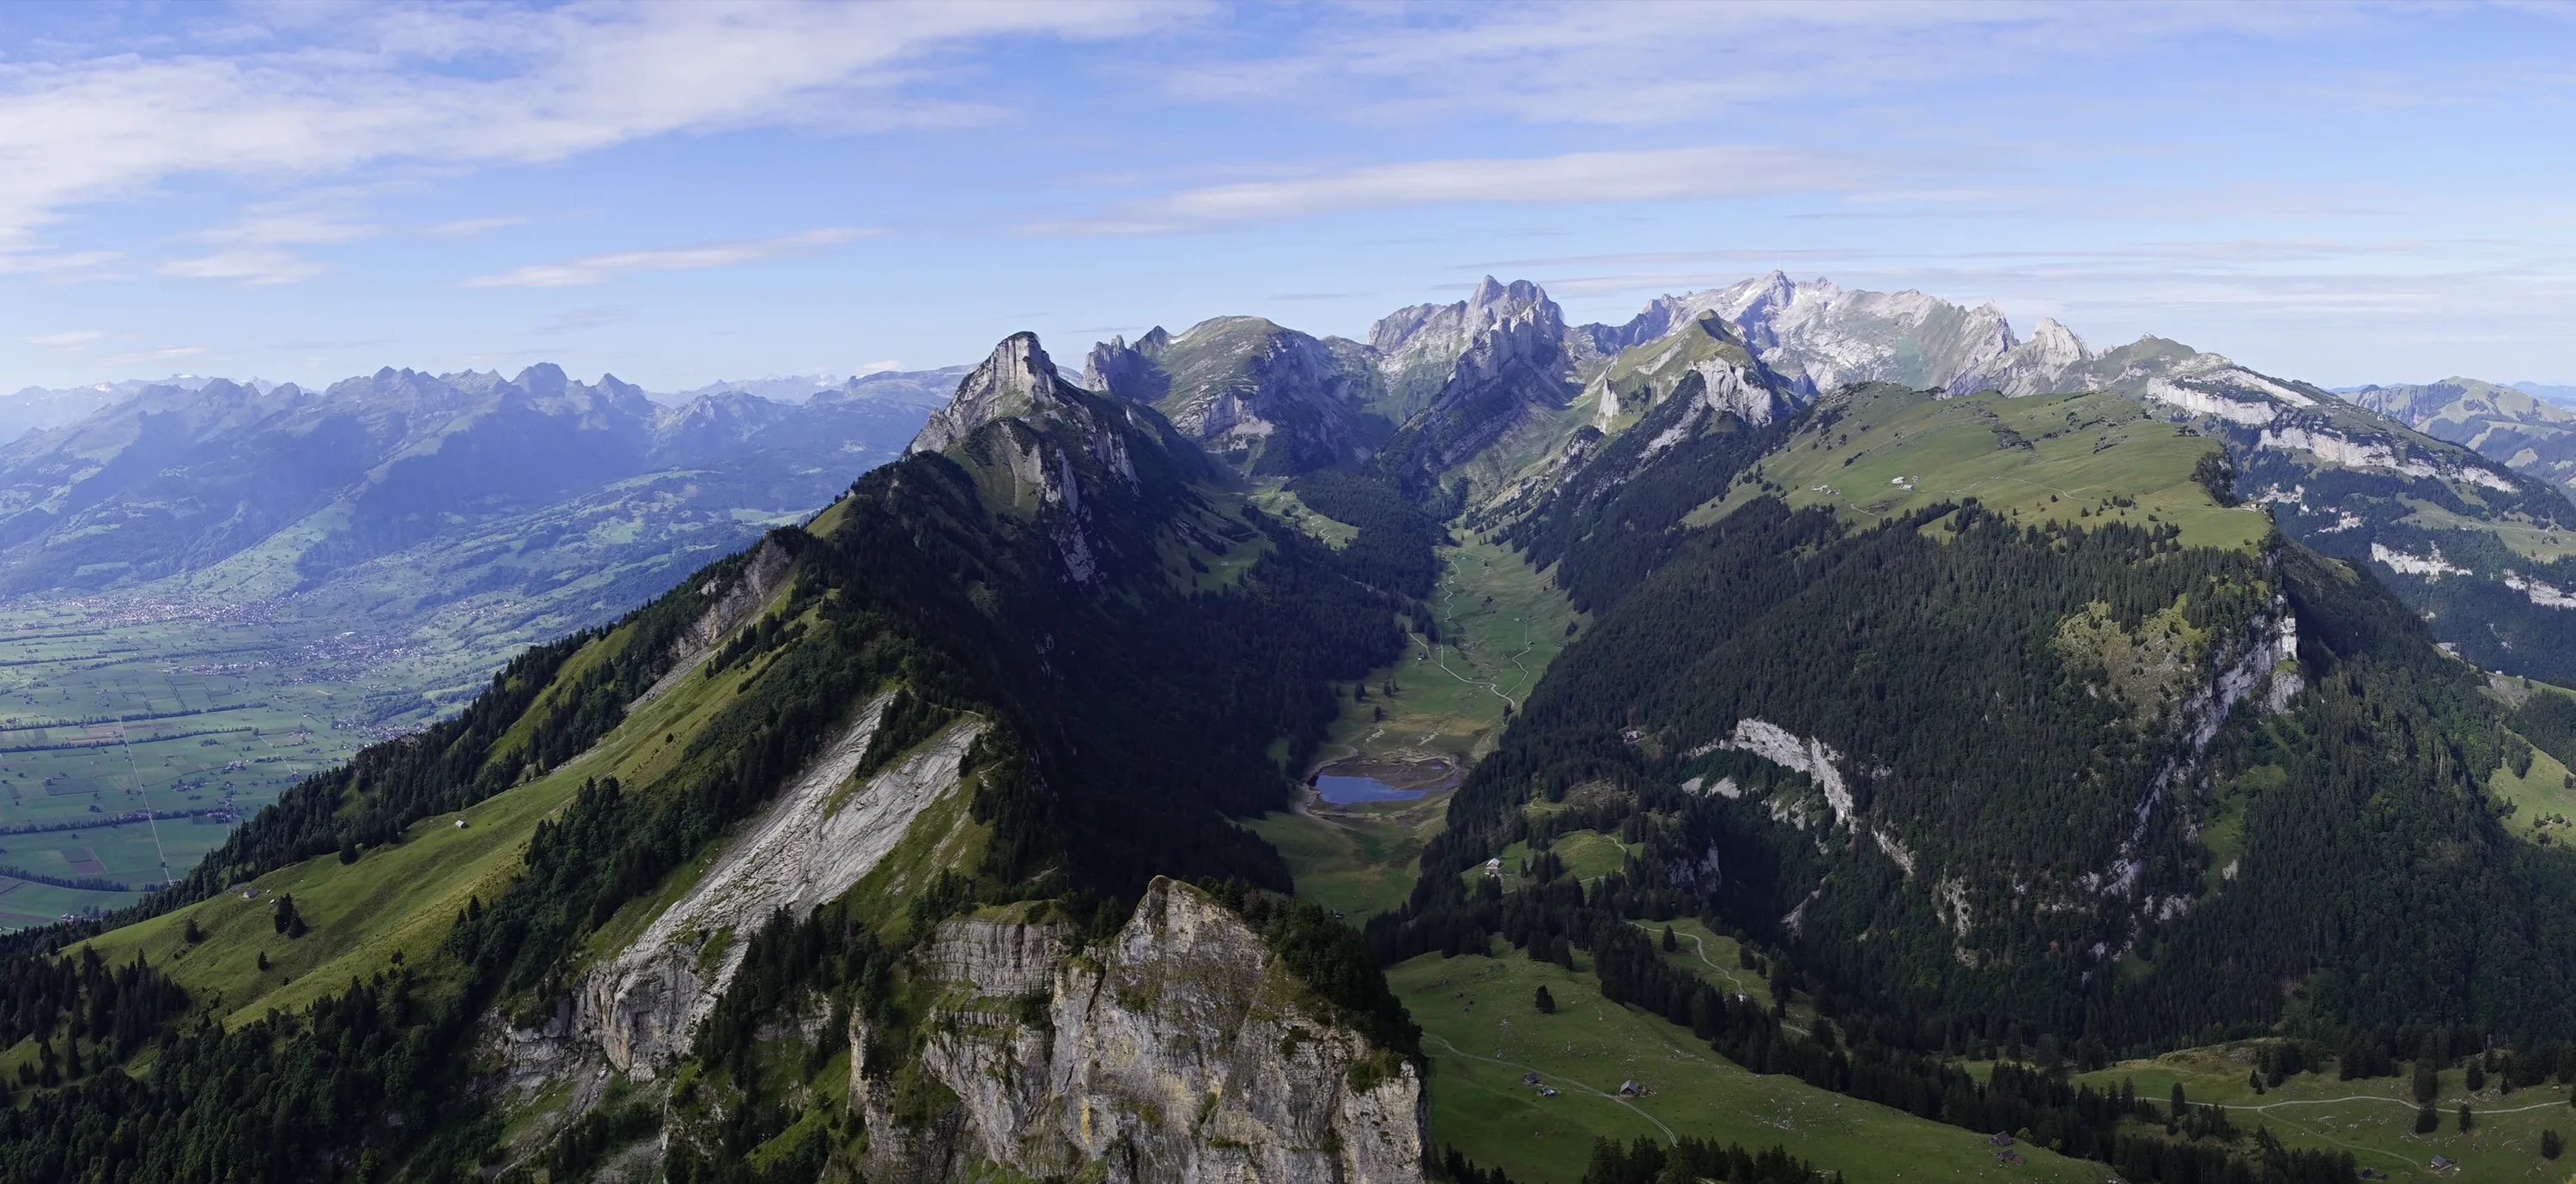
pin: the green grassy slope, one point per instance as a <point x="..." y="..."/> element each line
<point x="400" y="900"/>
<point x="2374" y="1118"/>
<point x="1483" y="1034"/>
<point x="2082" y="459"/>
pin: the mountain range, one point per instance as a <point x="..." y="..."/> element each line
<point x="2003" y="722"/>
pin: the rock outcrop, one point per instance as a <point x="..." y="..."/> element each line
<point x="635" y="1013"/>
<point x="1018" y="381"/>
<point x="1823" y="338"/>
<point x="1268" y="399"/>
<point x="1420" y="348"/>
<point x="1514" y="368"/>
<point x="1181" y="1051"/>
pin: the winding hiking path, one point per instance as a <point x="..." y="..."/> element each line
<point x="1528" y="643"/>
<point x="1730" y="975"/>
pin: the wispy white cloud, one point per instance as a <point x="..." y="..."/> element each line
<point x="601" y="268"/>
<point x="1699" y="172"/>
<point x="1638" y="63"/>
<point x="354" y="86"/>
<point x="469" y="227"/>
<point x="256" y="267"/>
<point x="54" y="262"/>
<point x="286" y="227"/>
<point x="73" y="339"/>
<point x="167" y="353"/>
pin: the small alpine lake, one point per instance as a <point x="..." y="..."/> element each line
<point x="1343" y="790"/>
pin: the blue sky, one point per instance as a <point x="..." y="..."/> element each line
<point x="683" y="192"/>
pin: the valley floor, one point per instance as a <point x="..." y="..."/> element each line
<point x="1484" y="1034"/>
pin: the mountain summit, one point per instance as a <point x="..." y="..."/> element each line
<point x="1018" y="380"/>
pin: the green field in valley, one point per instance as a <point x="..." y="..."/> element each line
<point x="2374" y="1118"/>
<point x="1484" y="1035"/>
<point x="1500" y="624"/>
<point x="133" y="735"/>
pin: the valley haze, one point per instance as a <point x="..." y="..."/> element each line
<point x="1520" y="593"/>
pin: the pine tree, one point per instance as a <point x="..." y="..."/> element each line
<point x="2426" y="1121"/>
<point x="2550" y="1145"/>
<point x="2426" y="1084"/>
<point x="1546" y="1002"/>
<point x="2465" y="1121"/>
<point x="1670" y="943"/>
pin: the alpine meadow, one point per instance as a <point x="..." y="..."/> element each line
<point x="1712" y="730"/>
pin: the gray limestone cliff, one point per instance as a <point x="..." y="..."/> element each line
<point x="1268" y="399"/>
<point x="1018" y="381"/>
<point x="1182" y="1050"/>
<point x="1823" y="337"/>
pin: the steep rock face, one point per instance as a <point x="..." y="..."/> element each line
<point x="1181" y="1051"/>
<point x="1072" y="460"/>
<point x="636" y="1012"/>
<point x="1730" y="378"/>
<point x="1419" y="348"/>
<point x="1515" y="367"/>
<point x="1018" y="381"/>
<point x="2040" y="365"/>
<point x="1267" y="399"/>
<point x="1824" y="338"/>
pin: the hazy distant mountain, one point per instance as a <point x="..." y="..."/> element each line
<point x="930" y="388"/>
<point x="172" y="480"/>
<point x="2510" y="424"/>
<point x="35" y="407"/>
<point x="2560" y="393"/>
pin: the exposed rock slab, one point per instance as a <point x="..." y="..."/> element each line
<point x="1181" y="1051"/>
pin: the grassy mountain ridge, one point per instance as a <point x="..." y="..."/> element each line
<point x="953" y="577"/>
<point x="1966" y="724"/>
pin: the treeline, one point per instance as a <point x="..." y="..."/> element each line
<point x="319" y="1094"/>
<point x="1616" y="518"/>
<point x="1690" y="1160"/>
<point x="1987" y="743"/>
<point x="116" y="1009"/>
<point x="1557" y="915"/>
<point x="1128" y="718"/>
<point x="1329" y="957"/>
<point x="1393" y="549"/>
<point x="457" y="762"/>
<point x="1928" y="652"/>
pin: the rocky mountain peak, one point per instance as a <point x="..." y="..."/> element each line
<point x="1017" y="380"/>
<point x="544" y="380"/>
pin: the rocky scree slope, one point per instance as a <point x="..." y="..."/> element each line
<point x="1052" y="694"/>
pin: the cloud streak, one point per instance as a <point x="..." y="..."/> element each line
<point x="1714" y="171"/>
<point x="598" y="269"/>
<point x="472" y="85"/>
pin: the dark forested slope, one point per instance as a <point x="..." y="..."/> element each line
<point x="1058" y="563"/>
